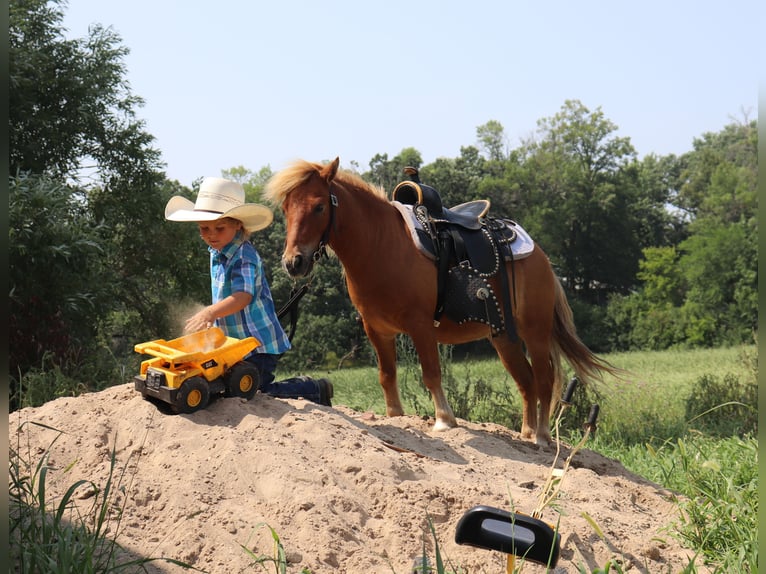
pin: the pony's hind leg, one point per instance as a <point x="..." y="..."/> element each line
<point x="545" y="382"/>
<point x="385" y="348"/>
<point x="515" y="362"/>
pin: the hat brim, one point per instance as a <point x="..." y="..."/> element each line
<point x="253" y="216"/>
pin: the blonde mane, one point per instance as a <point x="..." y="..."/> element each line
<point x="297" y="173"/>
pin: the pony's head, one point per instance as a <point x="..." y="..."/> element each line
<point x="303" y="192"/>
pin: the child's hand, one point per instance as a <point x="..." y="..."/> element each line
<point x="198" y="321"/>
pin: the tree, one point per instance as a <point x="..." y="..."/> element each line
<point x="388" y="173"/>
<point x="72" y="115"/>
<point x="719" y="259"/>
<point x="69" y="100"/>
<point x="662" y="282"/>
<point x="662" y="223"/>
<point x="52" y="308"/>
<point x="718" y="177"/>
<point x="700" y="287"/>
<point x="492" y="140"/>
<point x="456" y="180"/>
<point x="582" y="187"/>
<point x="253" y="182"/>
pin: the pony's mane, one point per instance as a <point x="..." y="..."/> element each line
<point x="298" y="172"/>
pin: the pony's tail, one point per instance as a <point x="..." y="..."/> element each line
<point x="587" y="366"/>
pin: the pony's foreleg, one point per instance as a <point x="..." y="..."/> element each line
<point x="385" y="348"/>
<point x="428" y="353"/>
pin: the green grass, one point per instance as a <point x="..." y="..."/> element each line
<point x="659" y="382"/>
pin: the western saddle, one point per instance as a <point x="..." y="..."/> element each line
<point x="469" y="247"/>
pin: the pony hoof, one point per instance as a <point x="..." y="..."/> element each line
<point x="441" y="425"/>
<point x="543" y="441"/>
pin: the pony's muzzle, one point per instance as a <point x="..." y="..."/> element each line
<point x="297" y="265"/>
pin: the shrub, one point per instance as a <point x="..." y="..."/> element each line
<point x="723" y="406"/>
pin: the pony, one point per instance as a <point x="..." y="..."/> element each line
<point x="393" y="285"/>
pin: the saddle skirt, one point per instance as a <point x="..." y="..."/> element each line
<point x="519" y="246"/>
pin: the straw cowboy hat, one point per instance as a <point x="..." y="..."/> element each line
<point x="219" y="198"/>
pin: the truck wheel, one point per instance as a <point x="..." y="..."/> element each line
<point x="193" y="395"/>
<point x="243" y="380"/>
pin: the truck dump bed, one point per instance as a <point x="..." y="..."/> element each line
<point x="198" y="348"/>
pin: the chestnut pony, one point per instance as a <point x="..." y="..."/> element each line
<point x="393" y="286"/>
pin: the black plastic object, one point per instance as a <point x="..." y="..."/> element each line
<point x="567" y="400"/>
<point x="511" y="533"/>
<point x="592" y="416"/>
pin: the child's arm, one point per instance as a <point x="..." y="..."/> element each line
<point x="205" y="318"/>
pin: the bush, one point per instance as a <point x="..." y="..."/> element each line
<point x="723" y="406"/>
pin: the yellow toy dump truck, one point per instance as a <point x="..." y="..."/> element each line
<point x="187" y="371"/>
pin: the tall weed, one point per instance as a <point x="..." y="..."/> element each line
<point x="719" y="514"/>
<point x="726" y="405"/>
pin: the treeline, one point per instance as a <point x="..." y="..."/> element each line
<point x="654" y="252"/>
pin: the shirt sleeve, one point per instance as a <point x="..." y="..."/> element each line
<point x="243" y="276"/>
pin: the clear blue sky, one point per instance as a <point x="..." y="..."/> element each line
<point x="257" y="83"/>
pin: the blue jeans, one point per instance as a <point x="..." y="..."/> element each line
<point x="293" y="388"/>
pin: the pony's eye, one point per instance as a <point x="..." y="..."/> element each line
<point x="319" y="208"/>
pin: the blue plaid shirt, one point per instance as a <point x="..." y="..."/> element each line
<point x="238" y="267"/>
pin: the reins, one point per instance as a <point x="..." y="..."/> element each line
<point x="296" y="294"/>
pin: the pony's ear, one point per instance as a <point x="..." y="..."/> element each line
<point x="330" y="170"/>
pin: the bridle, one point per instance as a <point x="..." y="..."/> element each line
<point x="297" y="293"/>
<point x="321" y="249"/>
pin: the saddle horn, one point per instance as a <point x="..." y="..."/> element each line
<point x="413" y="173"/>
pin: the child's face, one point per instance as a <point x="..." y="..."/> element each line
<point x="219" y="233"/>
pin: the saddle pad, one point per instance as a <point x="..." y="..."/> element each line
<point x="521" y="247"/>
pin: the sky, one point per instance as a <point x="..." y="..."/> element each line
<point x="255" y="83"/>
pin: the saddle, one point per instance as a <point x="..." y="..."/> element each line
<point x="466" y="215"/>
<point x="468" y="247"/>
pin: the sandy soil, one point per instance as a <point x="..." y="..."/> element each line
<point x="346" y="492"/>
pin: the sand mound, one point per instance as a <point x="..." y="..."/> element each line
<point x="345" y="492"/>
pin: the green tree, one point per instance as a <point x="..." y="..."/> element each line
<point x="457" y="179"/>
<point x="52" y="308"/>
<point x="492" y="140"/>
<point x="388" y="173"/>
<point x="718" y="177"/>
<point x="719" y="260"/>
<point x="650" y="318"/>
<point x="70" y="104"/>
<point x="253" y="182"/>
<point x="700" y="288"/>
<point x="660" y="275"/>
<point x="662" y="223"/>
<point x="719" y="264"/>
<point x="78" y="152"/>
<point x="585" y="206"/>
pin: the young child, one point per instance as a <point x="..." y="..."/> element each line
<point x="242" y="304"/>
